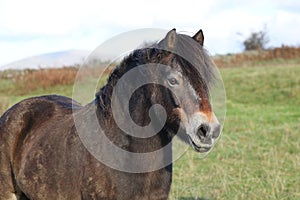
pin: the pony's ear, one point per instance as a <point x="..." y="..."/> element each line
<point x="171" y="39"/>
<point x="199" y="37"/>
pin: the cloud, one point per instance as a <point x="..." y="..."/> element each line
<point x="33" y="26"/>
<point x="284" y="29"/>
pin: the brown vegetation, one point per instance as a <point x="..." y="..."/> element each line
<point x="255" y="58"/>
<point x="24" y="81"/>
<point x="44" y="78"/>
<point x="30" y="80"/>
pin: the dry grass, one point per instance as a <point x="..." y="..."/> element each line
<point x="255" y="58"/>
<point x="44" y="78"/>
<point x="23" y="82"/>
<point x="27" y="81"/>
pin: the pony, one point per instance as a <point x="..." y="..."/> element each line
<point x="42" y="155"/>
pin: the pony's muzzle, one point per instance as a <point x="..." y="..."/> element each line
<point x="206" y="135"/>
<point x="202" y="131"/>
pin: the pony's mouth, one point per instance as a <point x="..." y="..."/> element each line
<point x="201" y="149"/>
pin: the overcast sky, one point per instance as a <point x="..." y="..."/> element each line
<point x="34" y="27"/>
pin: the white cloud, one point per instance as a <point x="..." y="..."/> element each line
<point x="33" y="26"/>
<point x="284" y="29"/>
<point x="35" y="17"/>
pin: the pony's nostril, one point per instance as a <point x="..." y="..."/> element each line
<point x="203" y="130"/>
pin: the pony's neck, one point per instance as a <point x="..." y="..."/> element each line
<point x="139" y="112"/>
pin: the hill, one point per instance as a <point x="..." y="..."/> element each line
<point x="54" y="60"/>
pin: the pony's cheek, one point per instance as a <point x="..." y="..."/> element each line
<point x="181" y="115"/>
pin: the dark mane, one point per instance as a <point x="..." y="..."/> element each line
<point x="196" y="60"/>
<point x="198" y="66"/>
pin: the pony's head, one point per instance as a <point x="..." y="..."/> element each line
<point x="189" y="77"/>
<point x="184" y="73"/>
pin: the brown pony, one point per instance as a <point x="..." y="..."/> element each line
<point x="42" y="150"/>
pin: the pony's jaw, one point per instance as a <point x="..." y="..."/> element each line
<point x="203" y="148"/>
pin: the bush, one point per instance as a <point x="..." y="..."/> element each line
<point x="256" y="41"/>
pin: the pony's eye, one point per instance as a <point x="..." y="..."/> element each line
<point x="172" y="81"/>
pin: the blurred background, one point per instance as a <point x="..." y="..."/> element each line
<point x="255" y="45"/>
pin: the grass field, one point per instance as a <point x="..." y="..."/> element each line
<point x="258" y="154"/>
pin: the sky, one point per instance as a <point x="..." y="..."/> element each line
<point x="33" y="27"/>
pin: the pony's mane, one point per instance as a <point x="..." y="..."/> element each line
<point x="194" y="59"/>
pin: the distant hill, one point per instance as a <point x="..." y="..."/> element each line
<point x="53" y="60"/>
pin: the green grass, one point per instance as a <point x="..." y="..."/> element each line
<point x="258" y="154"/>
